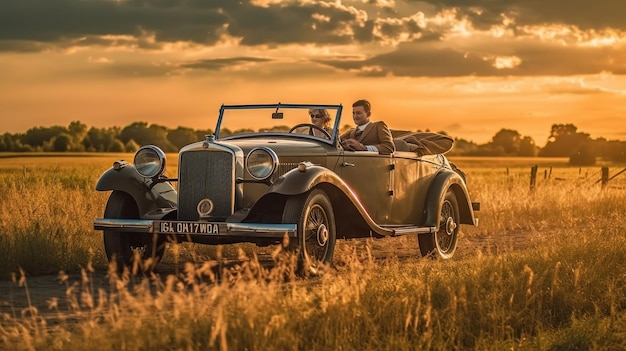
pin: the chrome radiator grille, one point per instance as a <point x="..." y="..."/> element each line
<point x="206" y="175"/>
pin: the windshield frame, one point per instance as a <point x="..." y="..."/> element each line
<point x="277" y="108"/>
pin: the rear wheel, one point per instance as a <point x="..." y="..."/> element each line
<point x="123" y="247"/>
<point x="442" y="244"/>
<point x="315" y="244"/>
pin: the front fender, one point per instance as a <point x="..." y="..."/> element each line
<point x="296" y="182"/>
<point x="126" y="179"/>
<point x="437" y="192"/>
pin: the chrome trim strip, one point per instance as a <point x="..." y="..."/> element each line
<point x="410" y="230"/>
<point x="261" y="230"/>
<point x="124" y="225"/>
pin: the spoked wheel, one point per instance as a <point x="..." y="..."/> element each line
<point x="123" y="247"/>
<point x="442" y="244"/>
<point x="315" y="244"/>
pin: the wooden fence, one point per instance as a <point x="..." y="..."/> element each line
<point x="604" y="176"/>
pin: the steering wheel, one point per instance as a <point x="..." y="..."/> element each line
<point x="310" y="125"/>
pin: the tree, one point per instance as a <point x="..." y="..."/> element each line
<point x="136" y="131"/>
<point x="564" y="140"/>
<point x="182" y="136"/>
<point x="38" y="136"/>
<point x="131" y="146"/>
<point x="46" y="137"/>
<point x="613" y="150"/>
<point x="116" y="146"/>
<point x="201" y="134"/>
<point x="62" y="142"/>
<point x="101" y="140"/>
<point x="463" y="147"/>
<point x="282" y="128"/>
<point x="508" y="140"/>
<point x="77" y="132"/>
<point x="584" y="156"/>
<point x="9" y="142"/>
<point x="527" y="147"/>
<point x="224" y="132"/>
<point x="246" y="131"/>
<point x="144" y="135"/>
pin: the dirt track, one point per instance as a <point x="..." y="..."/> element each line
<point x="42" y="291"/>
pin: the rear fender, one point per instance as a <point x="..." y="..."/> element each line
<point x="126" y="179"/>
<point x="443" y="181"/>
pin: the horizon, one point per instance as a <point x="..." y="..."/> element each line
<point x="434" y="65"/>
<point x="342" y="124"/>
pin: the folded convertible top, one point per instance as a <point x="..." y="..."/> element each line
<point x="422" y="143"/>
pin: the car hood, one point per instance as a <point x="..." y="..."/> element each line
<point x="285" y="147"/>
<point x="282" y="146"/>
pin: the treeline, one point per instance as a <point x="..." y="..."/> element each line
<point x="564" y="140"/>
<point x="78" y="137"/>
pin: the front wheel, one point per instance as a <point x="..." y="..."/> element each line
<point x="122" y="247"/>
<point x="315" y="244"/>
<point x="442" y="244"/>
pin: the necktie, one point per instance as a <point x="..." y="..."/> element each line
<point x="357" y="133"/>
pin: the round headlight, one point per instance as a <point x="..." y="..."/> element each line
<point x="261" y="163"/>
<point x="150" y="161"/>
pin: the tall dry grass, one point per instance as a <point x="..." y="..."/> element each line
<point x="565" y="290"/>
<point x="47" y="205"/>
<point x="45" y="219"/>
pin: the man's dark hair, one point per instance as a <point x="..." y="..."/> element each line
<point x="366" y="104"/>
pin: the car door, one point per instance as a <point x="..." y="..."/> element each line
<point x="412" y="176"/>
<point x="369" y="176"/>
<point x="405" y="188"/>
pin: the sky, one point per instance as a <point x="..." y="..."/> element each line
<point x="466" y="67"/>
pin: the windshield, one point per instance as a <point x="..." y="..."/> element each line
<point x="300" y="120"/>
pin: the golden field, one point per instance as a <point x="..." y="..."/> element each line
<point x="544" y="270"/>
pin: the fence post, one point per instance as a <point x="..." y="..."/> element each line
<point x="533" y="177"/>
<point x="605" y="176"/>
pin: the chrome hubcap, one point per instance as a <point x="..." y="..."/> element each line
<point x="322" y="235"/>
<point x="450" y="226"/>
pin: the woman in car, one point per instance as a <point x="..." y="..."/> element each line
<point x="320" y="118"/>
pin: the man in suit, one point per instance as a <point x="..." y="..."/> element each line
<point x="367" y="136"/>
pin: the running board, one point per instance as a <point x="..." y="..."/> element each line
<point x="405" y="230"/>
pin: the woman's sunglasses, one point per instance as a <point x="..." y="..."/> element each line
<point x="315" y="115"/>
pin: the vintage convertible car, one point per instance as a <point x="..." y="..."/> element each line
<point x="257" y="180"/>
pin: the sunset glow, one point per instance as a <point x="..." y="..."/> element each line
<point x="469" y="69"/>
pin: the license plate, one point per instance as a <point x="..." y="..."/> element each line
<point x="177" y="227"/>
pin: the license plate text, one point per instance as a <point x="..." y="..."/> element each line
<point x="189" y="228"/>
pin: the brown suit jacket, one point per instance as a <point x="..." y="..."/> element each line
<point x="376" y="134"/>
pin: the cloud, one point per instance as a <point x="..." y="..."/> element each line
<point x="218" y="64"/>
<point x="198" y="21"/>
<point x="51" y="21"/>
<point x="438" y="38"/>
<point x="577" y="86"/>
<point x="581" y="13"/>
<point x="99" y="60"/>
